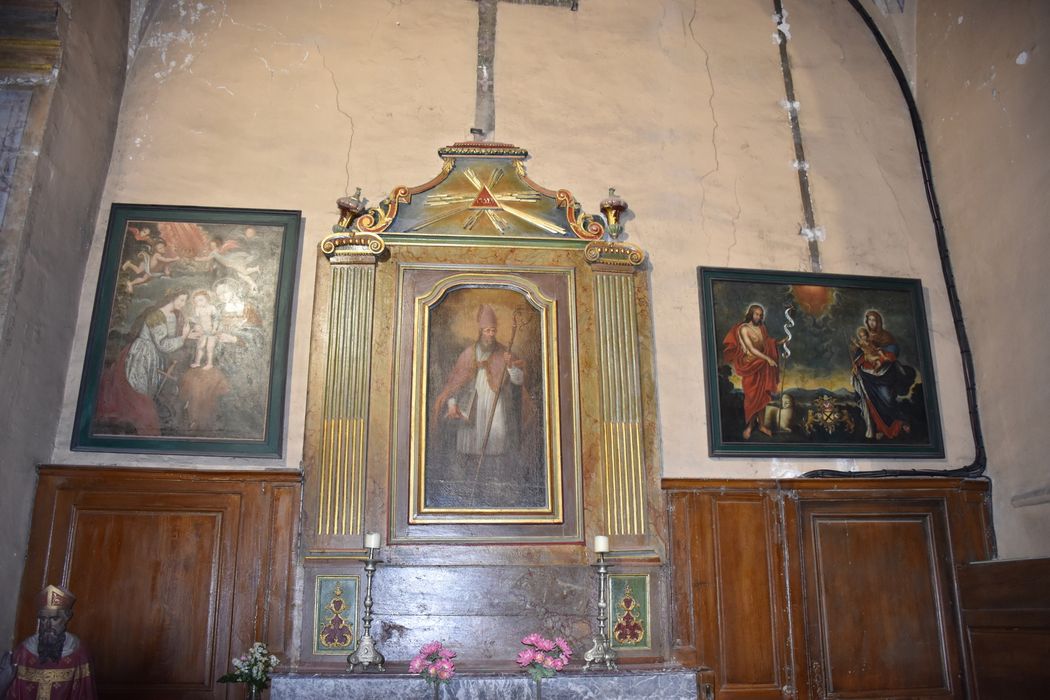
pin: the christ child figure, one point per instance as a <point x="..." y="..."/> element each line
<point x="205" y="318"/>
<point x="871" y="357"/>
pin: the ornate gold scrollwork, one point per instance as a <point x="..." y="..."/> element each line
<point x="585" y="226"/>
<point x="337" y="633"/>
<point x="630" y="626"/>
<point x="377" y="219"/>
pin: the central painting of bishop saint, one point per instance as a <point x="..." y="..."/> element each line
<point x="485" y="446"/>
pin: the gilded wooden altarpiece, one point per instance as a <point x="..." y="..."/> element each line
<point x="552" y="443"/>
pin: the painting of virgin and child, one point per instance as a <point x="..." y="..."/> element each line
<point x="189" y="341"/>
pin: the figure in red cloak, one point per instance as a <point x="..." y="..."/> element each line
<point x="476" y="395"/>
<point x="754" y="356"/>
<point x="486" y="414"/>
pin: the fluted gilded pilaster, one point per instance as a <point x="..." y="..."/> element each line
<point x="623" y="454"/>
<point x="344" y="434"/>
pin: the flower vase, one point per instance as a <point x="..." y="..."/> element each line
<point x="254" y="692"/>
<point x="539" y="688"/>
<point x="437" y="690"/>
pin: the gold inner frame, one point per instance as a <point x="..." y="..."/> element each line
<point x="502" y="277"/>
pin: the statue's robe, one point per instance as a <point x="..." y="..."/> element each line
<point x="69" y="678"/>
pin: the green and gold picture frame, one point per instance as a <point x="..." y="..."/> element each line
<point x="188" y="347"/>
<point x="817" y="365"/>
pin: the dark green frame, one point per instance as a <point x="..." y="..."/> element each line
<point x="272" y="443"/>
<point x="932" y="447"/>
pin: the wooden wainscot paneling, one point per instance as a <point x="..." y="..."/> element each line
<point x="1006" y="618"/>
<point x="729" y="597"/>
<point x="879" y="599"/>
<point x="174" y="572"/>
<point x="824" y="588"/>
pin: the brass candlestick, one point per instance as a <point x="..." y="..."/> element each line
<point x="602" y="652"/>
<point x="366" y="654"/>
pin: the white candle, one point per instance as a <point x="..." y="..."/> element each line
<point x="372" y="540"/>
<point x="601" y="543"/>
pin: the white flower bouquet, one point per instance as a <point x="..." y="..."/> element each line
<point x="252" y="667"/>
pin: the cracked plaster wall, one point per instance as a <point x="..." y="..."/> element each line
<point x="984" y="98"/>
<point x="674" y="102"/>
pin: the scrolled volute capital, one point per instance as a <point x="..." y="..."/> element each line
<point x="609" y="254"/>
<point x="345" y="247"/>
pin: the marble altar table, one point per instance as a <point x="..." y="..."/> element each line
<point x="658" y="684"/>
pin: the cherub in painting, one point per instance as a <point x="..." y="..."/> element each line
<point x="155" y="263"/>
<point x="225" y="254"/>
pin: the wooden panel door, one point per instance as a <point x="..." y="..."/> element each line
<point x="816" y="588"/>
<point x="174" y="573"/>
<point x="749" y="573"/>
<point x="879" y="607"/>
<point x="729" y="561"/>
<point x="164" y="561"/>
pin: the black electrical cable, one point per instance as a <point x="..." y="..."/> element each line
<point x="976" y="468"/>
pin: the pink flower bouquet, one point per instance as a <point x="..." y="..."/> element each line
<point x="543" y="658"/>
<point x="434" y="663"/>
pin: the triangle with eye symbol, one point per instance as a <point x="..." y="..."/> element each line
<point x="485" y="200"/>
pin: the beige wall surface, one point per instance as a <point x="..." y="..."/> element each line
<point x="676" y="103"/>
<point x="896" y="22"/>
<point x="985" y="97"/>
